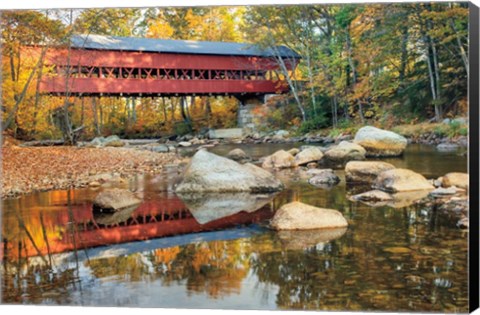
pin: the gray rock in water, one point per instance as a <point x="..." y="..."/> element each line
<point x="325" y="177"/>
<point x="447" y="147"/>
<point x="310" y="154"/>
<point x="238" y="155"/>
<point x="399" y="180"/>
<point x="112" y="200"/>
<point x="378" y="142"/>
<point x="208" y="172"/>
<point x="346" y="151"/>
<point x="373" y="196"/>
<point x="213" y="206"/>
<point x="460" y="180"/>
<point x="279" y="159"/>
<point x="365" y="171"/>
<point x="300" y="216"/>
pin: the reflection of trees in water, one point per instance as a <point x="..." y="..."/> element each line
<point x="215" y="268"/>
<point x="389" y="259"/>
<point x="33" y="280"/>
<point x="293" y="271"/>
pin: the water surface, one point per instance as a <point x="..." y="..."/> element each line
<point x="163" y="254"/>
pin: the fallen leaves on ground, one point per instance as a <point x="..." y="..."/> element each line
<point x="44" y="168"/>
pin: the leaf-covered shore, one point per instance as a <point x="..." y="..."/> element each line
<point x="27" y="170"/>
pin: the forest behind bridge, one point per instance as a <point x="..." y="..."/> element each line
<point x="380" y="64"/>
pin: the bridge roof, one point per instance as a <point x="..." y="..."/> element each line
<point x="178" y="46"/>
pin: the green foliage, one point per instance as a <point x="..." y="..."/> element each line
<point x="334" y="133"/>
<point x="314" y="124"/>
<point x="373" y="56"/>
<point x="182" y="128"/>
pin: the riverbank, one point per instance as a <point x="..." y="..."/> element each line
<point x="26" y="170"/>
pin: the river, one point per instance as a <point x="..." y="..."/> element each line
<point x="164" y="254"/>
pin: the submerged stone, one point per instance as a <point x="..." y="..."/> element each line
<point x="115" y="199"/>
<point x="238" y="155"/>
<point x="323" y="177"/>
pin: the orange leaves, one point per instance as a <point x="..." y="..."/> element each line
<point x="45" y="168"/>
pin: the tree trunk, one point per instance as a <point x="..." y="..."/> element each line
<point x="183" y="109"/>
<point x="82" y="117"/>
<point x="360" y="112"/>
<point x="208" y="107"/>
<point x="404" y="56"/>
<point x="164" y="110"/>
<point x="20" y="98"/>
<point x="37" y="94"/>
<point x="134" y="110"/>
<point x="95" y="116"/>
<point x="292" y="85"/>
<point x="350" y="58"/>
<point x="310" y="79"/>
<point x="463" y="53"/>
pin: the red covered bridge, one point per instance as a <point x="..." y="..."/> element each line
<point x="96" y="65"/>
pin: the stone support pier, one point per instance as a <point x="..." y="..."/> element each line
<point x="252" y="113"/>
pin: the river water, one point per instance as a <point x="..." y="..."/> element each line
<point x="206" y="253"/>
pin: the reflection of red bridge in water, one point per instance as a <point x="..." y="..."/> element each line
<point x="152" y="219"/>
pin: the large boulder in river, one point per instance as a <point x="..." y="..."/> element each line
<point x="208" y="172"/>
<point x="379" y="142"/>
<point x="399" y="180"/>
<point x="365" y="171"/>
<point x="345" y="151"/>
<point x="310" y="154"/>
<point x="279" y="159"/>
<point x="459" y="180"/>
<point x="300" y="216"/>
<point x="113" y="200"/>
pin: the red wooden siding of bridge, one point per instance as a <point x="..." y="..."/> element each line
<point x="105" y="72"/>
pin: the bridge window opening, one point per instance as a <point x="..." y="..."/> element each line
<point x="79" y="71"/>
